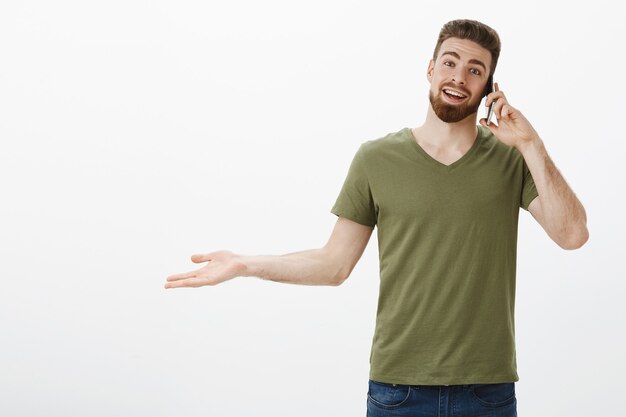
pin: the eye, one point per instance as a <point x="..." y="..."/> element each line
<point x="477" y="71"/>
<point x="447" y="62"/>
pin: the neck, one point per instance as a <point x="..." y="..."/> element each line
<point x="439" y="134"/>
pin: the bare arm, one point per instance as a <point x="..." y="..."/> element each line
<point x="307" y="267"/>
<point x="557" y="209"/>
<point x="329" y="265"/>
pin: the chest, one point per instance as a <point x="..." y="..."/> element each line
<point x="479" y="191"/>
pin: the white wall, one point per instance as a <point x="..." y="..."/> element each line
<point x="136" y="133"/>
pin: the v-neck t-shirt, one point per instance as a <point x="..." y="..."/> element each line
<point x="447" y="242"/>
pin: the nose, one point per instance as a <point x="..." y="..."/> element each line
<point x="459" y="78"/>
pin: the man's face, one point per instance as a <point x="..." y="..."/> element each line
<point x="458" y="68"/>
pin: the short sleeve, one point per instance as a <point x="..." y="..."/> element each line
<point x="529" y="191"/>
<point x="355" y="200"/>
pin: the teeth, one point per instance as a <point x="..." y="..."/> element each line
<point x="454" y="93"/>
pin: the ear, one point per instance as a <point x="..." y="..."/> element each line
<point x="431" y="69"/>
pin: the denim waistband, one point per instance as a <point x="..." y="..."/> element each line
<point x="459" y="387"/>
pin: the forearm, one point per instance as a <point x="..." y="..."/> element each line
<point x="563" y="213"/>
<point x="308" y="267"/>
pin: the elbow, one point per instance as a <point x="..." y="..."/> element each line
<point x="340" y="279"/>
<point x="341" y="276"/>
<point x="576" y="241"/>
<point x="340" y="270"/>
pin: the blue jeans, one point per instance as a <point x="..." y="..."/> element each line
<point x="471" y="400"/>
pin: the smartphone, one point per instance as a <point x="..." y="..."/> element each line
<point x="489" y="89"/>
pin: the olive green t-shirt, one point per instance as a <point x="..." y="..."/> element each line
<point x="447" y="242"/>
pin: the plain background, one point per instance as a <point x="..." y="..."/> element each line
<point x="137" y="133"/>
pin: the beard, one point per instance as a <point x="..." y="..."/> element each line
<point x="452" y="113"/>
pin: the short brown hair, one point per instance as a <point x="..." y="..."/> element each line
<point x="475" y="31"/>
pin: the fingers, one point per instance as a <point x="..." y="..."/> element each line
<point x="211" y="256"/>
<point x="503" y="111"/>
<point x="189" y="279"/>
<point x="499" y="102"/>
<point x="184" y="275"/>
<point x="492" y="125"/>
<point x="189" y="282"/>
<point x="496" y="95"/>
<point x="497" y="108"/>
<point x="506" y="110"/>
<point x="205" y="275"/>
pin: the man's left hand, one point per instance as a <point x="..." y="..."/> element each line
<point x="513" y="128"/>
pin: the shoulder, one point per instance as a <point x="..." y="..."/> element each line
<point x="388" y="143"/>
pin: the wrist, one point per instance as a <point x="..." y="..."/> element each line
<point x="246" y="265"/>
<point x="529" y="144"/>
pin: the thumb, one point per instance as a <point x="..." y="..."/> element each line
<point x="200" y="257"/>
<point x="492" y="126"/>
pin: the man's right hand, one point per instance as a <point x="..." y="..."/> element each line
<point x="329" y="265"/>
<point x="222" y="265"/>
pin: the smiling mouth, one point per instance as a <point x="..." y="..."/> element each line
<point x="453" y="98"/>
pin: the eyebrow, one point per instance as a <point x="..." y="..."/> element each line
<point x="471" y="61"/>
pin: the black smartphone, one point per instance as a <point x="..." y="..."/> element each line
<point x="489" y="89"/>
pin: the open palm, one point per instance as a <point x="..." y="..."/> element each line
<point x="221" y="266"/>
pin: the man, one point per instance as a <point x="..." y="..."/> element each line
<point x="445" y="197"/>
